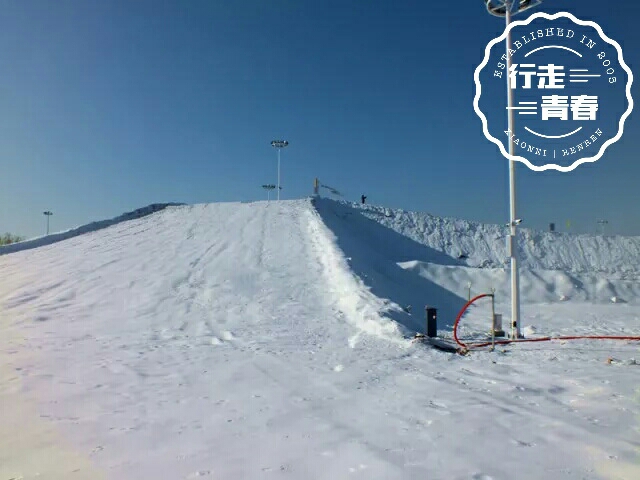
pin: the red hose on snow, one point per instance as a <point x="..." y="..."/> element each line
<point x="460" y="313"/>
<point x="466" y="347"/>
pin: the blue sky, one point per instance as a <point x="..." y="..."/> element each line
<point x="107" y="106"/>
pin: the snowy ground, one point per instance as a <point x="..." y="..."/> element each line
<point x="268" y="340"/>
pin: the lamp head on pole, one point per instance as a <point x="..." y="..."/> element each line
<point x="48" y="213"/>
<point x="499" y="7"/>
<point x="279" y="143"/>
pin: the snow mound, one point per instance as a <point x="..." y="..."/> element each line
<point x="256" y="340"/>
<point x="90" y="227"/>
<point x="417" y="259"/>
<point x="482" y="245"/>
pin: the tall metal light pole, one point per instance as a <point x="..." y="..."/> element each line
<point x="268" y="188"/>
<point x="603" y="224"/>
<point x="279" y="144"/>
<point x="47" y="214"/>
<point x="507" y="8"/>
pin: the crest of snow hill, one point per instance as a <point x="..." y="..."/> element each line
<point x="461" y="256"/>
<point x="484" y="245"/>
<point x="90" y="227"/>
<point x="391" y="248"/>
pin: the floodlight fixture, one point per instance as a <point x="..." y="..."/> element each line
<point x="499" y="7"/>
<point x="279" y="144"/>
<point x="268" y="188"/>
<point x="603" y="224"/>
<point x="47" y="214"/>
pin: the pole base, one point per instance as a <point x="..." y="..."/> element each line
<point x="498" y="333"/>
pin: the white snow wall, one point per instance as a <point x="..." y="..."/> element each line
<point x="485" y="245"/>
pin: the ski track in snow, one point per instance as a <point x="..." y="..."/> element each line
<point x="234" y="341"/>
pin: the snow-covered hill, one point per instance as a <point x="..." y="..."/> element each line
<point x="83" y="229"/>
<point x="485" y="245"/>
<point x="413" y="259"/>
<point x="270" y="340"/>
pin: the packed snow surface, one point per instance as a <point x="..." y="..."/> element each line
<point x="273" y="340"/>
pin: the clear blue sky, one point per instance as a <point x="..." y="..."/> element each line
<point x="107" y="106"/>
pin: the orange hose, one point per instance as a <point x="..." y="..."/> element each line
<point x="466" y="347"/>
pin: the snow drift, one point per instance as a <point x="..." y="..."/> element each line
<point x="258" y="341"/>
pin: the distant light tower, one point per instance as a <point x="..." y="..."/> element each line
<point x="279" y="144"/>
<point x="47" y="214"/>
<point x="507" y="8"/>
<point x="603" y="224"/>
<point x="268" y="188"/>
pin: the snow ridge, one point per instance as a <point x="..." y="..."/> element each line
<point x="353" y="298"/>
<point x="89" y="227"/>
<point x="484" y="245"/>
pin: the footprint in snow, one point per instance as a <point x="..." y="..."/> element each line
<point x="227" y="336"/>
<point x="360" y="467"/>
<point x="521" y="443"/>
<point x="201" y="473"/>
<point x="441" y="408"/>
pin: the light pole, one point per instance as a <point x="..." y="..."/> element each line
<point x="268" y="188"/>
<point x="47" y="214"/>
<point x="507" y="8"/>
<point x="279" y="144"/>
<point x="603" y="224"/>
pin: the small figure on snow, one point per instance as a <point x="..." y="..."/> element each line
<point x="363" y="198"/>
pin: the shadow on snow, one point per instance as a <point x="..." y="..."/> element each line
<point x="375" y="251"/>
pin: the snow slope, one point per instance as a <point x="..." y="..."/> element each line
<point x="403" y="258"/>
<point x="485" y="245"/>
<point x="260" y="341"/>
<point x="90" y="227"/>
